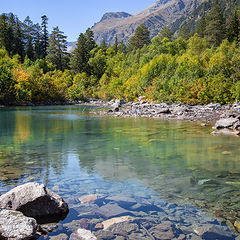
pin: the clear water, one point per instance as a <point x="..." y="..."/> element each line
<point x="76" y="153"/>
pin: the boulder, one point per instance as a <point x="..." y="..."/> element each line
<point x="35" y="200"/>
<point x="14" y="225"/>
<point x="225" y="123"/>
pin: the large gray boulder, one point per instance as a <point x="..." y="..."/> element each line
<point x="225" y="123"/>
<point x="35" y="200"/>
<point x="14" y="225"/>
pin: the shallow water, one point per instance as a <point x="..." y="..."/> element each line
<point x="164" y="162"/>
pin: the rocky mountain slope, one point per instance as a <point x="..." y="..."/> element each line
<point x="155" y="17"/>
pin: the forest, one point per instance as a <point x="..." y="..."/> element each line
<point x="196" y="67"/>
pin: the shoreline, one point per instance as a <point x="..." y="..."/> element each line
<point x="225" y="117"/>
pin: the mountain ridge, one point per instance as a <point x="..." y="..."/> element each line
<point x="155" y="17"/>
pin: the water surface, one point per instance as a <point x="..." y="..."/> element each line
<point x="78" y="153"/>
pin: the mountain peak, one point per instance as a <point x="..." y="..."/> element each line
<point x="155" y="17"/>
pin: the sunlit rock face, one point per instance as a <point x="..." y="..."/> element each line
<point x="155" y="17"/>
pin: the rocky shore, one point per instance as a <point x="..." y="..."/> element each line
<point x="225" y="117"/>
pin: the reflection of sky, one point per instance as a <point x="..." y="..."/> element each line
<point x="63" y="144"/>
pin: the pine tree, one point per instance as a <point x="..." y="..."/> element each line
<point x="58" y="49"/>
<point x="115" y="46"/>
<point x="140" y="38"/>
<point x="165" y="33"/>
<point x="215" y="25"/>
<point x="234" y="27"/>
<point x="80" y="56"/>
<point x="6" y="34"/>
<point x="45" y="39"/>
<point x="38" y="44"/>
<point x="201" y="27"/>
<point x="90" y="42"/>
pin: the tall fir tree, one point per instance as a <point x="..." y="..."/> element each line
<point x="115" y="46"/>
<point x="57" y="50"/>
<point x="234" y="27"/>
<point x="215" y="25"/>
<point x="81" y="55"/>
<point x="140" y="38"/>
<point x="201" y="27"/>
<point x="45" y="37"/>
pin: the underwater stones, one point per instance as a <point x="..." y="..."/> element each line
<point x="210" y="231"/>
<point x="61" y="236"/>
<point x="123" y="227"/>
<point x="112" y="210"/>
<point x="122" y="201"/>
<point x="82" y="234"/>
<point x="14" y="225"/>
<point x="108" y="223"/>
<point x="34" y="200"/>
<point x="88" y="198"/>
<point x="163" y="231"/>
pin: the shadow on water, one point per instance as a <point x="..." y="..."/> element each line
<point x="161" y="162"/>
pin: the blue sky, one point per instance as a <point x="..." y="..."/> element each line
<point x="72" y="16"/>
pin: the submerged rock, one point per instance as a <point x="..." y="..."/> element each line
<point x="209" y="231"/>
<point x="35" y="200"/>
<point x="83" y="234"/>
<point x="14" y="225"/>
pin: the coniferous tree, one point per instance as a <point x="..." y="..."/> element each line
<point x="80" y="56"/>
<point x="18" y="41"/>
<point x="45" y="39"/>
<point x="115" y="46"/>
<point x="58" y="49"/>
<point x="6" y="34"/>
<point x="38" y="44"/>
<point x="215" y="27"/>
<point x="201" y="27"/>
<point x="165" y="33"/>
<point x="28" y="35"/>
<point x="234" y="27"/>
<point x="103" y="46"/>
<point x="90" y="42"/>
<point x="140" y="38"/>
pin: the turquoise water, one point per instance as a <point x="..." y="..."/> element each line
<point x="76" y="153"/>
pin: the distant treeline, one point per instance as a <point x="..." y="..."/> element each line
<point x="197" y="67"/>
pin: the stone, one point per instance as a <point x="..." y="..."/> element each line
<point x="123" y="227"/>
<point x="163" y="231"/>
<point x="237" y="225"/>
<point x="99" y="226"/>
<point x="35" y="200"/>
<point x="122" y="201"/>
<point x="210" y="231"/>
<point x="46" y="228"/>
<point x="89" y="210"/>
<point x="226" y="131"/>
<point x="163" y="111"/>
<point x="88" y="198"/>
<point x="83" y="234"/>
<point x="110" y="222"/>
<point x="14" y="225"/>
<point x="112" y="210"/>
<point x="106" y="235"/>
<point x="225" y="123"/>
<point x="59" y="237"/>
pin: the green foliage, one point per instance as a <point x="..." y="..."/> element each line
<point x="140" y="38"/>
<point x="57" y="50"/>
